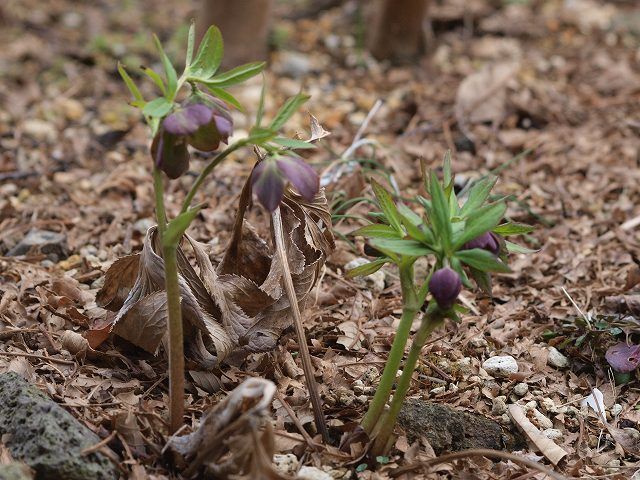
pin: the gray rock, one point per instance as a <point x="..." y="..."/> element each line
<point x="557" y="359"/>
<point x="521" y="389"/>
<point x="500" y="365"/>
<point x="45" y="436"/>
<point x="15" y="471"/>
<point x="313" y="473"/>
<point x="52" y="244"/>
<point x="293" y="64"/>
<point x="448" y="429"/>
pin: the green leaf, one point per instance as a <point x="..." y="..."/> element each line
<point x="409" y="216"/>
<point x="226" y="96"/>
<point x="482" y="221"/>
<point x="209" y="56"/>
<point x="482" y="260"/>
<point x="376" y="230"/>
<point x="447" y="178"/>
<point x="482" y="279"/>
<point x="515" y="248"/>
<point x="234" y="76"/>
<point x="387" y="206"/>
<point x="157" y="107"/>
<point x="440" y="213"/>
<point x="177" y="227"/>
<point x="191" y="41"/>
<point x="169" y="70"/>
<point x="130" y="84"/>
<point x="155" y="78"/>
<point x="411" y="248"/>
<point x="287" y="110"/>
<point x="456" y="265"/>
<point x="293" y="143"/>
<point x="478" y="194"/>
<point x="259" y="135"/>
<point x="367" y="268"/>
<point x="511" y="228"/>
<point x="263" y="94"/>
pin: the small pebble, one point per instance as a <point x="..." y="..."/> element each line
<point x="500" y="365"/>
<point x="313" y="473"/>
<point x="557" y="359"/>
<point x="552" y="433"/>
<point x="438" y="390"/>
<point x="521" y="389"/>
<point x="616" y="410"/>
<point x="499" y="405"/>
<point x="286" y="464"/>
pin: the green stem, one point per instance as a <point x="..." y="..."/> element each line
<point x="376" y="407"/>
<point x="207" y="170"/>
<point x="429" y="323"/>
<point x="158" y="189"/>
<point x="176" y="347"/>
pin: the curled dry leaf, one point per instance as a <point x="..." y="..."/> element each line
<point x="231" y="439"/>
<point x="546" y="446"/>
<point x="238" y="305"/>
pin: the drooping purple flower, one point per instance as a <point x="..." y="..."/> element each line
<point x="186" y="121"/>
<point x="170" y="154"/>
<point x="623" y="358"/>
<point x="445" y="285"/>
<point x="217" y="129"/>
<point x="269" y="178"/>
<point x="487" y="241"/>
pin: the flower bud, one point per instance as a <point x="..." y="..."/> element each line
<point x="445" y="285"/>
<point x="488" y="241"/>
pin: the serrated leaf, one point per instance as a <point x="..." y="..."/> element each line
<point x="226" y="96"/>
<point x="209" y="56"/>
<point x="177" y="227"/>
<point x="155" y="78"/>
<point x="387" y="206"/>
<point x="478" y="194"/>
<point x="367" y="268"/>
<point x="287" y="110"/>
<point x="411" y="248"/>
<point x="440" y="213"/>
<point x="515" y="248"/>
<point x="157" y="107"/>
<point x="133" y="88"/>
<point x="234" y="76"/>
<point x="482" y="221"/>
<point x="169" y="70"/>
<point x="512" y="228"/>
<point x="191" y="41"/>
<point x="376" y="230"/>
<point x="293" y="143"/>
<point x="482" y="260"/>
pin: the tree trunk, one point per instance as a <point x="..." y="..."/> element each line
<point x="396" y="30"/>
<point x="244" y="25"/>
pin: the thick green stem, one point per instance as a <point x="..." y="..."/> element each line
<point x="411" y="307"/>
<point x="429" y="323"/>
<point x="207" y="170"/>
<point x="158" y="190"/>
<point x="176" y="347"/>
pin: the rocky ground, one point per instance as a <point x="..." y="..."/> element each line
<point x="546" y="92"/>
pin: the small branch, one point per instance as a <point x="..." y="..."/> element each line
<point x="99" y="445"/>
<point x="479" y="452"/>
<point x="302" y="341"/>
<point x="40" y="357"/>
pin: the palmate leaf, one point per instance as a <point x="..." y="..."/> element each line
<point x="410" y="248"/>
<point x="169" y="70"/>
<point x="133" y="88"/>
<point x="234" y="76"/>
<point x="287" y="110"/>
<point x="482" y="221"/>
<point x="440" y="213"/>
<point x="512" y="228"/>
<point x="482" y="260"/>
<point x="478" y="195"/>
<point x="377" y="230"/>
<point x="226" y="96"/>
<point x="158" y="107"/>
<point x="515" y="248"/>
<point x="209" y="56"/>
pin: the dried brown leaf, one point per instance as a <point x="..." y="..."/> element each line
<point x="118" y="282"/>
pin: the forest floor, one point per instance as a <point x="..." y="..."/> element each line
<point x="546" y="91"/>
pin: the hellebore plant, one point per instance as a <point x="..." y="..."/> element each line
<point x="463" y="241"/>
<point x="192" y="110"/>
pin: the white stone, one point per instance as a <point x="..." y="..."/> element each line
<point x="39" y="130"/>
<point x="616" y="410"/>
<point x="521" y="389"/>
<point x="552" y="433"/>
<point x="313" y="473"/>
<point x="286" y="464"/>
<point x="375" y="281"/>
<point x="438" y="390"/>
<point x="500" y="366"/>
<point x="557" y="359"/>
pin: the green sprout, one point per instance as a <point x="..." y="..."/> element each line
<point x="463" y="242"/>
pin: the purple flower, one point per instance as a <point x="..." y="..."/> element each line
<point x="445" y="285"/>
<point x="623" y="358"/>
<point x="203" y="122"/>
<point x="487" y="241"/>
<point x="269" y="178"/>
